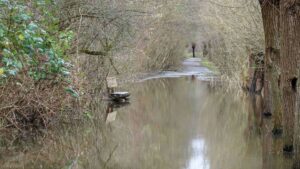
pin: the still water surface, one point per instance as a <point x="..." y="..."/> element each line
<point x="174" y="121"/>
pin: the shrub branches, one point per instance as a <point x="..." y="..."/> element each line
<point x="33" y="63"/>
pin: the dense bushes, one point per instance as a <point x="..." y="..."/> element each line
<point x="30" y="43"/>
<point x="168" y="32"/>
<point x="33" y="62"/>
<point x="233" y="31"/>
<point x="166" y="46"/>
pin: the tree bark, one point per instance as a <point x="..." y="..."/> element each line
<point x="297" y="117"/>
<point x="290" y="54"/>
<point x="272" y="103"/>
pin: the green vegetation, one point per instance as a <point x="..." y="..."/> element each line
<point x="31" y="43"/>
<point x="34" y="65"/>
<point x="210" y="65"/>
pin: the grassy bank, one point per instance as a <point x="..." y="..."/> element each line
<point x="210" y="65"/>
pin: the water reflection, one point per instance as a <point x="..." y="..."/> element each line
<point x="198" y="159"/>
<point x="272" y="145"/>
<point x="296" y="164"/>
<point x="177" y="123"/>
<point x="111" y="110"/>
<point x="170" y="124"/>
<point x="169" y="116"/>
<point x="190" y="68"/>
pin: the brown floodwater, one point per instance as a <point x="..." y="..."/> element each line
<point x="172" y="122"/>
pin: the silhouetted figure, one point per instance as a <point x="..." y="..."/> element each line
<point x="194" y="47"/>
<point x="205" y="49"/>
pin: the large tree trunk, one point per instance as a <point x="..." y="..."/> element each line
<point x="297" y="121"/>
<point x="290" y="54"/>
<point x="272" y="105"/>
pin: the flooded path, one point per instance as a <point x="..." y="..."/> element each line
<point x="176" y="120"/>
<point x="190" y="67"/>
<point x="179" y="123"/>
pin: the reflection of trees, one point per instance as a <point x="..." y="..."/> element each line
<point x="161" y="124"/>
<point x="267" y="143"/>
<point x="78" y="142"/>
<point x="297" y="134"/>
<point x="226" y="120"/>
<point x="272" y="156"/>
<point x="255" y="113"/>
<point x="157" y="129"/>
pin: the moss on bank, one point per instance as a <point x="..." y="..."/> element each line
<point x="210" y="65"/>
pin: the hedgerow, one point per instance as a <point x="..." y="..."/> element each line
<point x="34" y="65"/>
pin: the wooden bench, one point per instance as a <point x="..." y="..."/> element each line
<point x="113" y="95"/>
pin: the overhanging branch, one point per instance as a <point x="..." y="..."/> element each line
<point x="95" y="53"/>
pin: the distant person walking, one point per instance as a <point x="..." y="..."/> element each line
<point x="194" y="47"/>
